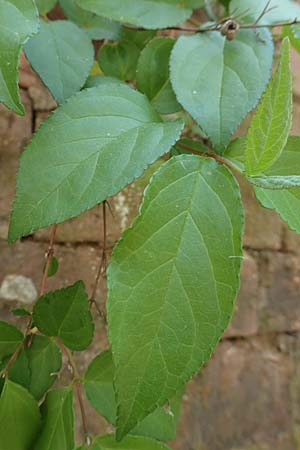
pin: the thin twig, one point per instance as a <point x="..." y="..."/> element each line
<point x="102" y="265"/>
<point x="49" y="255"/>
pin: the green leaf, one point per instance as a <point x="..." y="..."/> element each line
<point x="95" y="26"/>
<point x="146" y="13"/>
<point x="44" y="6"/>
<point x="119" y="59"/>
<point x="172" y="282"/>
<point x="153" y="75"/>
<point x="36" y="366"/>
<point x="65" y="313"/>
<point x="219" y="81"/>
<point x="108" y="442"/>
<point x="98" y="80"/>
<point x="19" y="418"/>
<point x="57" y="421"/>
<point x="62" y="55"/>
<point x="10" y="339"/>
<point x="279" y="10"/>
<point x="21" y="312"/>
<point x="18" y="21"/>
<point x="293" y="33"/>
<point x="271" y="124"/>
<point x="99" y="389"/>
<point x="92" y="147"/>
<point x="139" y="37"/>
<point x="53" y="266"/>
<point x="286" y="202"/>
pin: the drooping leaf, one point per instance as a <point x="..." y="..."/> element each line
<point x="153" y="75"/>
<point x="36" y="366"/>
<point x="271" y="124"/>
<point x="219" y="81"/>
<point x="62" y="55"/>
<point x="119" y="59"/>
<point x="57" y="421"/>
<point x="10" y="339"/>
<point x="172" y="282"/>
<point x="53" y="266"/>
<point x="95" y="26"/>
<point x="65" y="313"/>
<point x="21" y="312"/>
<point x="279" y="10"/>
<point x="108" y="442"/>
<point x="146" y="13"/>
<point x="18" y="21"/>
<point x="44" y="6"/>
<point x="98" y="384"/>
<point x="92" y="147"/>
<point x="286" y="202"/>
<point x="19" y="418"/>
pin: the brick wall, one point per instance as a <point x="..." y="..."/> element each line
<point x="248" y="396"/>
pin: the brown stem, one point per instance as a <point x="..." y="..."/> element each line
<point x="102" y="264"/>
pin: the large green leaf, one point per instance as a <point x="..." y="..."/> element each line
<point x="18" y="21"/>
<point x="19" y="418"/>
<point x="65" y="313"/>
<point x="10" y="339"/>
<point x="219" y="81"/>
<point x="119" y="59"/>
<point x="36" y="366"/>
<point x="145" y="13"/>
<point x="98" y="384"/>
<point x="89" y="149"/>
<point x="172" y="282"/>
<point x="95" y="26"/>
<point x="57" y="421"/>
<point x="108" y="442"/>
<point x="44" y="6"/>
<point x="279" y="10"/>
<point x="153" y="75"/>
<point x="271" y="124"/>
<point x="62" y="55"/>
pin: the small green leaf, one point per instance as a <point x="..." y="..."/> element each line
<point x="65" y="313"/>
<point x="108" y="442"/>
<point x="36" y="366"/>
<point x="21" y="312"/>
<point x="57" y="431"/>
<point x="153" y="75"/>
<point x="219" y="81"/>
<point x="172" y="282"/>
<point x="18" y="21"/>
<point x="138" y="37"/>
<point x="62" y="55"/>
<point x="278" y="10"/>
<point x="271" y="124"/>
<point x="286" y="202"/>
<point x="119" y="59"/>
<point x="83" y="154"/>
<point x="53" y="266"/>
<point x="151" y="14"/>
<point x="19" y="418"/>
<point x="10" y="339"/>
<point x="293" y="33"/>
<point x="95" y="26"/>
<point x="44" y="6"/>
<point x="98" y="384"/>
